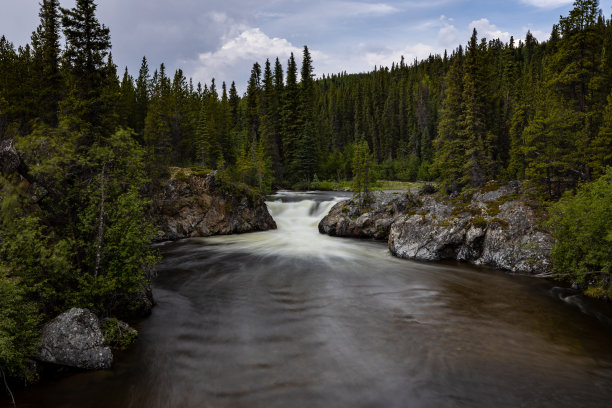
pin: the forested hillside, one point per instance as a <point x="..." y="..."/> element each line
<point x="489" y="110"/>
<point x="93" y="144"/>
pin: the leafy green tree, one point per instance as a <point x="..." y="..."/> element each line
<point x="19" y="335"/>
<point x="582" y="227"/>
<point x="87" y="242"/>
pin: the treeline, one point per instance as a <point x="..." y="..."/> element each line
<point x="492" y="110"/>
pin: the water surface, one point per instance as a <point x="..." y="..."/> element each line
<point x="292" y="318"/>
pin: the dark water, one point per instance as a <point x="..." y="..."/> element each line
<point x="291" y="318"/>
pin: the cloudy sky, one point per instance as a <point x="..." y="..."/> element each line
<point x="222" y="39"/>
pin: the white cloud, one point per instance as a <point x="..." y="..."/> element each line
<point x="488" y="30"/>
<point x="249" y="46"/>
<point x="448" y="36"/>
<point x="385" y="57"/>
<point x="547" y="4"/>
<point x="358" y="9"/>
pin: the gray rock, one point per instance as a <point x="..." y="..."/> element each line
<point x="9" y="159"/>
<point x="346" y="218"/>
<point x="508" y="239"/>
<point x="75" y="339"/>
<point x="494" y="227"/>
<point x="200" y="206"/>
<point x="421" y="237"/>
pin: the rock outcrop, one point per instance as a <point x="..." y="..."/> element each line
<point x="75" y="339"/>
<point x="349" y="218"/>
<point x="201" y="206"/>
<point x="497" y="226"/>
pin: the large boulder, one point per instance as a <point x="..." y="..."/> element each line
<point x="352" y="218"/>
<point x="75" y="339"/>
<point x="201" y="206"/>
<point x="499" y="227"/>
<point x="428" y="234"/>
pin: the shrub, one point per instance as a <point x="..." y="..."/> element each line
<point x="19" y="335"/>
<point x="117" y="334"/>
<point x="581" y="225"/>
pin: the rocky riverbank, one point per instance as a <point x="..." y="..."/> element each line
<point x="497" y="226"/>
<point x="203" y="205"/>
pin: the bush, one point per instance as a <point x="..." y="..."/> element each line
<point x="19" y="335"/>
<point x="581" y="225"/>
<point x="117" y="334"/>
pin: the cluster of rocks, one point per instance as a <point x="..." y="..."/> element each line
<point x="201" y="206"/>
<point x="497" y="227"/>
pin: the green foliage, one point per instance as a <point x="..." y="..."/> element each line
<point x="362" y="162"/>
<point x="118" y="335"/>
<point x="19" y="335"/>
<point x="86" y="243"/>
<point x="581" y="224"/>
<point x="43" y="263"/>
<point x="479" y="222"/>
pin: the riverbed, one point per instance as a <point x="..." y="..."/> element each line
<point x="293" y="318"/>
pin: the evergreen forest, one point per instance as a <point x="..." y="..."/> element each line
<point x="96" y="142"/>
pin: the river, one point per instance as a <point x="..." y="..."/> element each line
<point x="292" y="318"/>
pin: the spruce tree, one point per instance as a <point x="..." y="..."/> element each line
<point x="50" y="84"/>
<point x="87" y="45"/>
<point x="306" y="159"/>
<point x="142" y="96"/>
<point x="450" y="145"/>
<point x="127" y="102"/>
<point x="473" y="129"/>
<point x="290" y="114"/>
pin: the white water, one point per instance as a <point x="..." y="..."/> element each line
<point x="297" y="233"/>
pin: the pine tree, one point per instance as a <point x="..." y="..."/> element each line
<point x="290" y="114"/>
<point x="306" y="158"/>
<point x="268" y="112"/>
<point x="50" y="85"/>
<point x="142" y="96"/>
<point x="157" y="131"/>
<point x="476" y="169"/>
<point x="127" y="102"/>
<point x="225" y="125"/>
<point x="87" y="45"/>
<point x="600" y="155"/>
<point x="450" y="145"/>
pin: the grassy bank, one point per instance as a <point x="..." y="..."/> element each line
<point x="347" y="185"/>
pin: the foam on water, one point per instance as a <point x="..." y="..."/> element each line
<point x="297" y="234"/>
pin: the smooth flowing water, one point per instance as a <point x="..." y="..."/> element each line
<point x="292" y="318"/>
